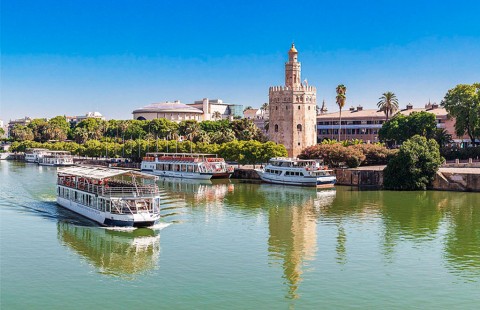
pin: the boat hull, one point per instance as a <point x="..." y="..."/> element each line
<point x="177" y="174"/>
<point x="106" y="218"/>
<point x="319" y="182"/>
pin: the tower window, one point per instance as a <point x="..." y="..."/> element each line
<point x="299" y="107"/>
<point x="308" y="108"/>
<point x="276" y="108"/>
<point x="299" y="127"/>
<point x="276" y="128"/>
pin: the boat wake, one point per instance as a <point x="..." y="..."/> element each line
<point x="157" y="227"/>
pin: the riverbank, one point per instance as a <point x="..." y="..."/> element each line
<point x="461" y="178"/>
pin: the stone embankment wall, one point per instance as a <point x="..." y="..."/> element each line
<point x="360" y="177"/>
<point x="245" y="173"/>
<point x="457" y="179"/>
<point x="447" y="179"/>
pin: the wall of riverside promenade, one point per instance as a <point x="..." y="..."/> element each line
<point x="356" y="177"/>
<point x="373" y="178"/>
<point x="464" y="181"/>
<point x="245" y="173"/>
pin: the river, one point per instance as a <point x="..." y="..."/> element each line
<point x="237" y="245"/>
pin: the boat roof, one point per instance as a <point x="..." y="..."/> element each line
<point x="100" y="173"/>
<point x="287" y="159"/>
<point x="180" y="154"/>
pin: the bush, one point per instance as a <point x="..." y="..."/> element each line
<point x="415" y="165"/>
<point x="375" y="154"/>
<point x="351" y="154"/>
<point x="334" y="155"/>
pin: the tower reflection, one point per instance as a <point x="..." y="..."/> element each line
<point x="117" y="253"/>
<point x="292" y="224"/>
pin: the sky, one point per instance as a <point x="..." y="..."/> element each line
<point x="71" y="57"/>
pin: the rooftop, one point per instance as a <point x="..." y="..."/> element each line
<point x="164" y="107"/>
<point x="100" y="173"/>
<point x="359" y="112"/>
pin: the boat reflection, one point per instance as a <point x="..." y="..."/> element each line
<point x="116" y="253"/>
<point x="193" y="190"/>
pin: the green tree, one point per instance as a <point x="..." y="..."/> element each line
<point x="463" y="103"/>
<point x="341" y="99"/>
<point x="223" y="136"/>
<point x="2" y="132"/>
<point x="214" y="126"/>
<point x="264" y="108"/>
<point x="21" y="133"/>
<point x="217" y="115"/>
<point x="442" y="137"/>
<point x="245" y="129"/>
<point x="415" y="165"/>
<point x="80" y="134"/>
<point x="38" y="127"/>
<point x="95" y="127"/>
<point x="135" y="129"/>
<point x="388" y="103"/>
<point x="401" y="128"/>
<point x="160" y="127"/>
<point x="189" y="129"/>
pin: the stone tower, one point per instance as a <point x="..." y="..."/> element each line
<point x="293" y="109"/>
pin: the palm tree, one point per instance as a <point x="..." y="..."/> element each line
<point x="388" y="103"/>
<point x="442" y="137"/>
<point x="217" y="115"/>
<point x="341" y="98"/>
<point x="264" y="108"/>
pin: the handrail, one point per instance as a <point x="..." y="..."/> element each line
<point x="112" y="191"/>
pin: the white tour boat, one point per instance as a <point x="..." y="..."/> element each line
<point x="56" y="158"/>
<point x="110" y="197"/>
<point x="4" y="155"/>
<point x="186" y="165"/>
<point x="292" y="171"/>
<point x="32" y="155"/>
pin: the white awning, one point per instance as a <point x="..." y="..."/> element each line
<point x="100" y="173"/>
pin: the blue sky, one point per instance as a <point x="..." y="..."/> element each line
<point x="71" y="57"/>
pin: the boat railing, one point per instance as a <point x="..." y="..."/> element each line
<point x="119" y="191"/>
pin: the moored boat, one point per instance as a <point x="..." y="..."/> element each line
<point x="56" y="158"/>
<point x="186" y="165"/>
<point x="110" y="197"/>
<point x="33" y="155"/>
<point x="292" y="171"/>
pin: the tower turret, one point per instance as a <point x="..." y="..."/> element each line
<point x="292" y="69"/>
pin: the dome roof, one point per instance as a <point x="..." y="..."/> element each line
<point x="293" y="49"/>
<point x="165" y="107"/>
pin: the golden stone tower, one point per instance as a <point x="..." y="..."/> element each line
<point x="293" y="109"/>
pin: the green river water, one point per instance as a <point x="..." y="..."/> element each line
<point x="235" y="245"/>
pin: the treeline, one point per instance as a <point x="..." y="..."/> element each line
<point x="58" y="129"/>
<point x="243" y="152"/>
<point x="351" y="153"/>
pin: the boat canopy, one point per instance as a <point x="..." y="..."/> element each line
<point x="156" y="154"/>
<point x="100" y="173"/>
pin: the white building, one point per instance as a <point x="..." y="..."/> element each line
<point x="199" y="111"/>
<point x="77" y="119"/>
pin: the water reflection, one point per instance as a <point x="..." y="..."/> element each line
<point x="293" y="228"/>
<point x="118" y="253"/>
<point x="197" y="190"/>
<point x="462" y="244"/>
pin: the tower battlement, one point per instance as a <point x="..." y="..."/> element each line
<point x="287" y="88"/>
